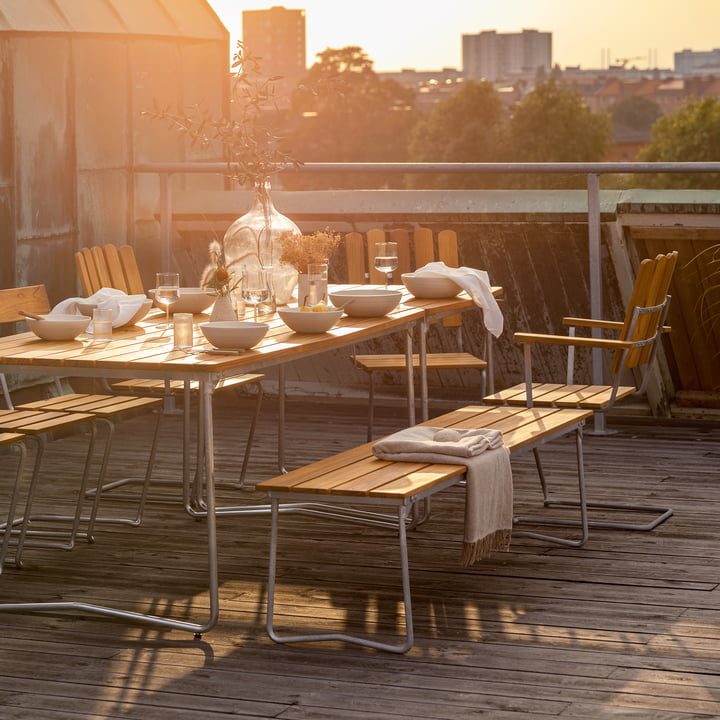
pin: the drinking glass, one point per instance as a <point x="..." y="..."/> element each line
<point x="386" y="258"/>
<point x="167" y="291"/>
<point x="255" y="288"/>
<point x="317" y="283"/>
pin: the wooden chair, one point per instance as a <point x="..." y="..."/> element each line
<point x="411" y="255"/>
<point x="637" y="339"/>
<point x="103" y="409"/>
<point x="40" y="427"/>
<point x="108" y="266"/>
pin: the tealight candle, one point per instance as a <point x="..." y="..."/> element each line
<point x="183" y="330"/>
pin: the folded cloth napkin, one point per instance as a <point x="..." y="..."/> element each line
<point x="123" y="306"/>
<point x="489" y="491"/>
<point x="476" y="284"/>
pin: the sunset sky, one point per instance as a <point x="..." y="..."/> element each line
<point x="426" y="34"/>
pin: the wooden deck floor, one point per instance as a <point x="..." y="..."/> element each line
<point x="626" y="627"/>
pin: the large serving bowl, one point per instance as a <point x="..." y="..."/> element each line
<point x="308" y="321"/>
<point x="427" y="286"/>
<point x="234" y="334"/>
<point x="366" y="302"/>
<point x="58" y="326"/>
<point x="192" y="300"/>
<point x="87" y="307"/>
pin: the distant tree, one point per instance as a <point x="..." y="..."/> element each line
<point x="690" y="134"/>
<point x="553" y="124"/>
<point x="464" y="128"/>
<point x="350" y="115"/>
<point x="636" y="112"/>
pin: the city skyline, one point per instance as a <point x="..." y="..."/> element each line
<point x="398" y="34"/>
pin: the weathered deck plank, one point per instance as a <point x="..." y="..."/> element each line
<point x="627" y="626"/>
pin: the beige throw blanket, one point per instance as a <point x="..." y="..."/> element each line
<point x="489" y="495"/>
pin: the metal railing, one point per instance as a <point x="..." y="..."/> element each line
<point x="592" y="171"/>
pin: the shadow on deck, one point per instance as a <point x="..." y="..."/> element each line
<point x="627" y="626"/>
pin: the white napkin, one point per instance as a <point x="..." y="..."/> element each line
<point x="489" y="490"/>
<point x="476" y="284"/>
<point x="123" y="306"/>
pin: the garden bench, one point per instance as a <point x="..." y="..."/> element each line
<point x="357" y="477"/>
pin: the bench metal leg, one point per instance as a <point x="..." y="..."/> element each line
<point x="581" y="504"/>
<point x="409" y="634"/>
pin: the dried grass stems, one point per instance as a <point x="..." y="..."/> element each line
<point x="302" y="250"/>
<point x="219" y="275"/>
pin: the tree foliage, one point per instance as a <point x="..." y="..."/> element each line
<point x="350" y="115"/>
<point x="635" y="111"/>
<point x="690" y="134"/>
<point x="553" y="124"/>
<point x="464" y="128"/>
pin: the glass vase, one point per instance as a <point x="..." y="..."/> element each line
<point x="253" y="240"/>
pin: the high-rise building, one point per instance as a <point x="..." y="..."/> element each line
<point x="696" y="62"/>
<point x="494" y="56"/>
<point x="277" y="35"/>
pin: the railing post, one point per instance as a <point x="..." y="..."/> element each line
<point x="166" y="222"/>
<point x="596" y="311"/>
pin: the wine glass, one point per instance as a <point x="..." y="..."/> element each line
<point x="386" y="258"/>
<point x="255" y="289"/>
<point x="167" y="292"/>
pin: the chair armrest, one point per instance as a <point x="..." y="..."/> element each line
<point x="587" y="322"/>
<point x="605" y="343"/>
<point x="604" y="324"/>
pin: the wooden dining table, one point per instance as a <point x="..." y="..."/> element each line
<point x="146" y="350"/>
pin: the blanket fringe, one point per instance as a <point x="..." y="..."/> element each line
<point x="483" y="548"/>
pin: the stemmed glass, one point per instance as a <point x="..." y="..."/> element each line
<point x="386" y="258"/>
<point x="167" y="292"/>
<point x="255" y="289"/>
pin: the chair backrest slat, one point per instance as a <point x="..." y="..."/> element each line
<point x="133" y="280"/>
<point x="448" y="253"/>
<point x="32" y="298"/>
<point x="355" y="258"/>
<point x="424" y="247"/>
<point x="114" y="267"/>
<point x="101" y="267"/>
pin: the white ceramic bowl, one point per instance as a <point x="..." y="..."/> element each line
<point x="308" y="321"/>
<point x="234" y="334"/>
<point x="86" y="308"/>
<point x="192" y="300"/>
<point x="366" y="302"/>
<point x="58" y="326"/>
<point x="426" y="286"/>
<point x="141" y="313"/>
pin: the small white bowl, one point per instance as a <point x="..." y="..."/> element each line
<point x="58" y="326"/>
<point x="192" y="300"/>
<point x="366" y="302"/>
<point x="234" y="334"/>
<point x="309" y="321"/>
<point x="86" y="308"/>
<point x="426" y="286"/>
